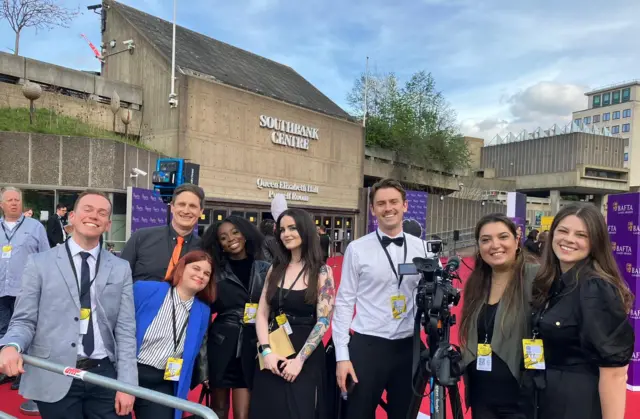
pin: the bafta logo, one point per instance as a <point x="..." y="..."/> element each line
<point x="629" y="268"/>
<point x="613" y="246"/>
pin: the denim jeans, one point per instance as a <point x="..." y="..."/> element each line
<point x="6" y="311"/>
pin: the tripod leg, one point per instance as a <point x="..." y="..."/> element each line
<point x="419" y="385"/>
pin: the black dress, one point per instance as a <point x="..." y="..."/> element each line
<point x="275" y="398"/>
<point x="231" y="344"/>
<point x="495" y="394"/>
<point x="585" y="327"/>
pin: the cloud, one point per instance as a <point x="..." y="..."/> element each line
<point x="547" y="99"/>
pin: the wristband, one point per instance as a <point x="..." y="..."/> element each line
<point x="14" y="345"/>
<point x="266" y="352"/>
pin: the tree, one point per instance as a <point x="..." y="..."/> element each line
<point x="414" y="121"/>
<point x="39" y="14"/>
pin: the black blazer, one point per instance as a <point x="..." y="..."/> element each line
<point x="227" y="334"/>
<point x="54" y="231"/>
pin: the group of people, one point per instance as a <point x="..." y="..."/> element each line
<point x="547" y="337"/>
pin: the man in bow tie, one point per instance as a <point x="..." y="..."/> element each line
<point x="377" y="357"/>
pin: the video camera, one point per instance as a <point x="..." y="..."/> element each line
<point x="440" y="364"/>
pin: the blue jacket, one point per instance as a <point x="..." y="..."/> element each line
<point x="148" y="297"/>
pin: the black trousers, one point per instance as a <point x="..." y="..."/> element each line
<point x="85" y="400"/>
<point x="380" y="364"/>
<point x="153" y="379"/>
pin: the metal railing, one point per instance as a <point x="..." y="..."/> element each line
<point x="110" y="383"/>
<point x="6" y="416"/>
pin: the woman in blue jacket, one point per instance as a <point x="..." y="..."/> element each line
<point x="172" y="318"/>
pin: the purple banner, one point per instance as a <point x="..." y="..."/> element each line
<point x="147" y="209"/>
<point x="415" y="219"/>
<point x="520" y="228"/>
<point x="623" y="220"/>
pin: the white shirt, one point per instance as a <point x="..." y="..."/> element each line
<point x="99" y="351"/>
<point x="368" y="282"/>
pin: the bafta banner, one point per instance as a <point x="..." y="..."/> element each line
<point x="144" y="209"/>
<point x="623" y="219"/>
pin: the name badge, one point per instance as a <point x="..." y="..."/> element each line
<point x="6" y="251"/>
<point x="483" y="363"/>
<point x="284" y="323"/>
<point x="399" y="306"/>
<point x="173" y="369"/>
<point x="85" y="317"/>
<point x="250" y="312"/>
<point x="533" y="354"/>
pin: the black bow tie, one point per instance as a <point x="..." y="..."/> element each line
<point x="386" y="241"/>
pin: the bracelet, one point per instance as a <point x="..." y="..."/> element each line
<point x="266" y="352"/>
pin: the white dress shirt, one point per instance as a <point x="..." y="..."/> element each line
<point x="99" y="351"/>
<point x="368" y="283"/>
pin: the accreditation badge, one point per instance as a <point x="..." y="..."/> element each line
<point x="173" y="369"/>
<point x="533" y="354"/>
<point x="250" y="312"/>
<point x="284" y="323"/>
<point x="483" y="362"/>
<point x="398" y="306"/>
<point x="85" y="317"/>
<point x="6" y="251"/>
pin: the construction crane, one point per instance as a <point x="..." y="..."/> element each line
<point x="93" y="47"/>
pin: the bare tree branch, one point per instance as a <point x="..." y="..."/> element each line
<point x="38" y="14"/>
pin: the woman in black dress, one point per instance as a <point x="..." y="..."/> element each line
<point x="301" y="288"/>
<point x="240" y="274"/>
<point x="581" y="305"/>
<point x="495" y="320"/>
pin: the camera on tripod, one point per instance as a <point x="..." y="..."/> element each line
<point x="440" y="364"/>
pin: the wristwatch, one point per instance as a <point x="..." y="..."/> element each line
<point x="262" y="348"/>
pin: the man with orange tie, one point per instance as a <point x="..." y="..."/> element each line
<point x="153" y="252"/>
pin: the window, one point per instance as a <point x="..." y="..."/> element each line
<point x="606" y="116"/>
<point x="606" y="99"/>
<point x="596" y="119"/>
<point x="626" y="127"/>
<point x="626" y="113"/>
<point x="616" y="115"/>
<point x="596" y="101"/>
<point x="626" y="94"/>
<point x="615" y="97"/>
<point x="615" y="129"/>
<point x="587" y="120"/>
<point x="578" y="121"/>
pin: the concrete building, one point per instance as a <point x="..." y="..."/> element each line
<point x="581" y="165"/>
<point x="616" y="109"/>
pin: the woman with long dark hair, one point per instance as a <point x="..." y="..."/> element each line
<point x="235" y="245"/>
<point x="580" y="321"/>
<point x="299" y="296"/>
<point x="494" y="321"/>
<point x="171" y="322"/>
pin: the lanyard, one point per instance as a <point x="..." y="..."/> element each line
<point x="75" y="273"/>
<point x="386" y="252"/>
<point x="13" y="233"/>
<point x="280" y="297"/>
<point x="177" y="337"/>
<point x="489" y="321"/>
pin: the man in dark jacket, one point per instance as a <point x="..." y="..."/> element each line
<point x="55" y="228"/>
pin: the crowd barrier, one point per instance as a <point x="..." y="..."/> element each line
<point x="110" y="383"/>
<point x="6" y="416"/>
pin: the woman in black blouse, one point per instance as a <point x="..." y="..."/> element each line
<point x="581" y="305"/>
<point x="495" y="320"/>
<point x="235" y="245"/>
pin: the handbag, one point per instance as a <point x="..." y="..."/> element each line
<point x="205" y="396"/>
<point x="280" y="345"/>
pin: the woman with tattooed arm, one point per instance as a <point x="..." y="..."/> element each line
<point x="299" y="296"/>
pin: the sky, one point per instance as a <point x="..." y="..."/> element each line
<point x="503" y="66"/>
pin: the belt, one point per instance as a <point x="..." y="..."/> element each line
<point x="88" y="363"/>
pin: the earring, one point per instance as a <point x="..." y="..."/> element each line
<point x="518" y="250"/>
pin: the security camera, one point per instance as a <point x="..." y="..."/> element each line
<point x="135" y="172"/>
<point x="129" y="43"/>
<point x="173" y="101"/>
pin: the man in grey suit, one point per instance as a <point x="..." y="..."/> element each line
<point x="75" y="308"/>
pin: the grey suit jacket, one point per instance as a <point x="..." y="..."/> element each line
<point x="45" y="320"/>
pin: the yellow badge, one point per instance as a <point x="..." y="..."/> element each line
<point x="173" y="369"/>
<point x="533" y="354"/>
<point x="484" y="360"/>
<point x="250" y="311"/>
<point x="6" y="251"/>
<point x="284" y="323"/>
<point x="85" y="313"/>
<point x="398" y="306"/>
<point x="85" y="316"/>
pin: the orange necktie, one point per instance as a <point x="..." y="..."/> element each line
<point x="175" y="257"/>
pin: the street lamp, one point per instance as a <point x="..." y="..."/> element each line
<point x="173" y="98"/>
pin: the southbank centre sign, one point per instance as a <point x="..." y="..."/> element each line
<point x="289" y="134"/>
<point x="291" y="191"/>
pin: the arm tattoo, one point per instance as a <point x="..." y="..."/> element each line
<point x="325" y="305"/>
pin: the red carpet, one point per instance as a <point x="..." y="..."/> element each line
<point x="10" y="400"/>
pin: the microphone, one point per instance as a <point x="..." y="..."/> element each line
<point x="453" y="263"/>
